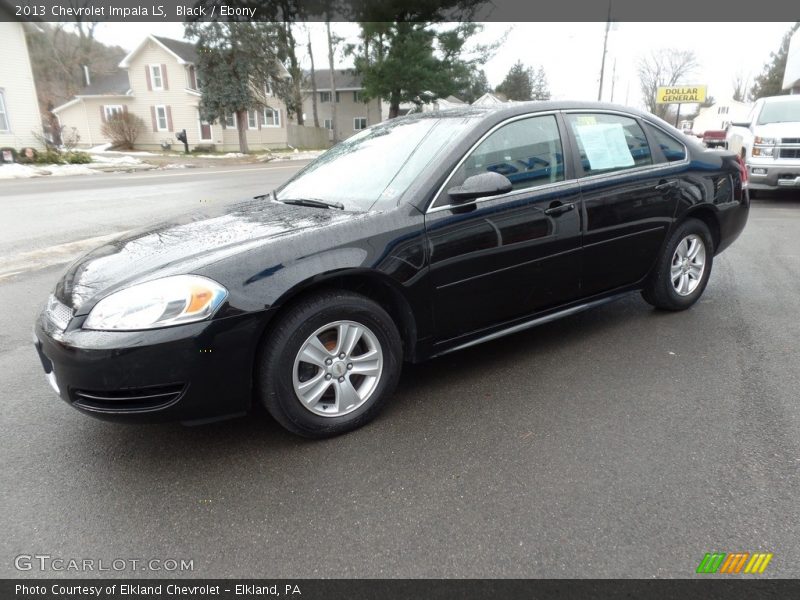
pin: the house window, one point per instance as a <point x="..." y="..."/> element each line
<point x="192" y="78"/>
<point x="722" y="110"/>
<point x="329" y="124"/>
<point x="230" y="121"/>
<point x="252" y="121"/>
<point x="272" y="117"/>
<point x="4" y="124"/>
<point x="161" y="118"/>
<point x="359" y="123"/>
<point x="112" y="109"/>
<point x="358" y="96"/>
<point x="324" y="96"/>
<point x="156" y="77"/>
<point x="268" y="89"/>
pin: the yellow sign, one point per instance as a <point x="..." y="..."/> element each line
<point x="681" y="94"/>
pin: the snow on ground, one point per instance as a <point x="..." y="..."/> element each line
<point x="116" y="160"/>
<point x="228" y="155"/>
<point x="17" y="171"/>
<point x="299" y="155"/>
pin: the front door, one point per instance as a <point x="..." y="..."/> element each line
<point x="502" y="258"/>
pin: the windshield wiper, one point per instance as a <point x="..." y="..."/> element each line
<point x="314" y="203"/>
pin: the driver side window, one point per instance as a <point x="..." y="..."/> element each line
<point x="527" y="151"/>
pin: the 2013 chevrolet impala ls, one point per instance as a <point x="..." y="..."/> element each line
<point x="417" y="237"/>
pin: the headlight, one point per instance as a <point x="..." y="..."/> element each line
<point x="762" y="141"/>
<point x="763" y="152"/>
<point x="158" y="303"/>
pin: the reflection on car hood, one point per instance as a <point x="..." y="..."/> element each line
<point x="185" y="244"/>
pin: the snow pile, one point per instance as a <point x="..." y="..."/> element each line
<point x="17" y="171"/>
<point x="116" y="160"/>
<point x="299" y="155"/>
<point x="228" y="155"/>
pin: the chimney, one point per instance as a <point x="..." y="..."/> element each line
<point x="86" y="75"/>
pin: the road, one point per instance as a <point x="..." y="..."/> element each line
<point x="621" y="442"/>
<point x="39" y="215"/>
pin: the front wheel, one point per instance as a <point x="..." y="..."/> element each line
<point x="329" y="365"/>
<point x="683" y="269"/>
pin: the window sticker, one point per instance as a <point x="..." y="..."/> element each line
<point x="605" y="146"/>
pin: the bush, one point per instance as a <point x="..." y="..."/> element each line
<point x="27" y="155"/>
<point x="76" y="157"/>
<point x="208" y="148"/>
<point x="123" y="129"/>
<point x="49" y="157"/>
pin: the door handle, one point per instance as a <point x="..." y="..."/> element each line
<point x="666" y="185"/>
<point x="557" y="208"/>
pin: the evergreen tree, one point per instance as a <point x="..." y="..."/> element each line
<point x="770" y="81"/>
<point x="524" y="83"/>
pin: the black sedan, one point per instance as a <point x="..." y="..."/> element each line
<point x="414" y="238"/>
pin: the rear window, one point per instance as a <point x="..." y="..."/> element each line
<point x="673" y="149"/>
<point x="609" y="143"/>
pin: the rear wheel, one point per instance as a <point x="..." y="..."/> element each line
<point x="329" y="365"/>
<point x="683" y="269"/>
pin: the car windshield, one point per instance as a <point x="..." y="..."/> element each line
<point x="377" y="164"/>
<point x="780" y="112"/>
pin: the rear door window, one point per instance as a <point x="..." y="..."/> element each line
<point x="608" y="143"/>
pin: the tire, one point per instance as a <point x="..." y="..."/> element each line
<point x="318" y="394"/>
<point x="666" y="293"/>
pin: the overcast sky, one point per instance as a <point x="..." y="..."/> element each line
<point x="569" y="52"/>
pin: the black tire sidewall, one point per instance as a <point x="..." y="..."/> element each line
<point x="277" y="365"/>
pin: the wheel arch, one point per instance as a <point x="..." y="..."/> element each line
<point x="707" y="215"/>
<point x="372" y="284"/>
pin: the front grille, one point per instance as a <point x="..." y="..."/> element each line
<point x="790" y="152"/>
<point x="130" y="400"/>
<point x="790" y="141"/>
<point x="58" y="313"/>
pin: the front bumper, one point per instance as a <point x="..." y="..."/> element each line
<point x="189" y="373"/>
<point x="775" y="175"/>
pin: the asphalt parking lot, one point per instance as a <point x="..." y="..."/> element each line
<point x="621" y="442"/>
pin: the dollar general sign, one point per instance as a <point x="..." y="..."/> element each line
<point x="683" y="94"/>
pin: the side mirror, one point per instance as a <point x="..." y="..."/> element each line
<point x="746" y="125"/>
<point x="477" y="186"/>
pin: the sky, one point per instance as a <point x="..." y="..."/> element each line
<point x="570" y="53"/>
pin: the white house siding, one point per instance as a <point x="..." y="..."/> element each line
<point x="719" y="115"/>
<point x="181" y="103"/>
<point x="347" y="109"/>
<point x="19" y="91"/>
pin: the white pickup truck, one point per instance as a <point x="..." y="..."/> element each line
<point x="769" y="143"/>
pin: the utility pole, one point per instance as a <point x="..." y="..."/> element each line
<point x="613" y="78"/>
<point x="605" y="47"/>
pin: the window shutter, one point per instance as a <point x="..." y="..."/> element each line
<point x="169" y="118"/>
<point x="153" y="117"/>
<point x="260" y="117"/>
<point x="147" y="74"/>
<point x="103" y="113"/>
<point x="164" y="78"/>
<point x="125" y="108"/>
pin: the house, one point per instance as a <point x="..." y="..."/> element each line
<point x="791" y="76"/>
<point x="353" y="113"/>
<point x="158" y="82"/>
<point x="719" y="115"/>
<point x="490" y="99"/>
<point x="20" y="121"/>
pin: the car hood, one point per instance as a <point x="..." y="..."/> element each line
<point x="184" y="245"/>
<point x="778" y="130"/>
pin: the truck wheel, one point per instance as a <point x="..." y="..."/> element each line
<point x="682" y="271"/>
<point x="330" y="364"/>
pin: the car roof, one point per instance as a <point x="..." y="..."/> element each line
<point x="511" y="109"/>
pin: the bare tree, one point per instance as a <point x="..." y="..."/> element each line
<point x="313" y="80"/>
<point x="739" y="87"/>
<point x="333" y="81"/>
<point x="667" y="66"/>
